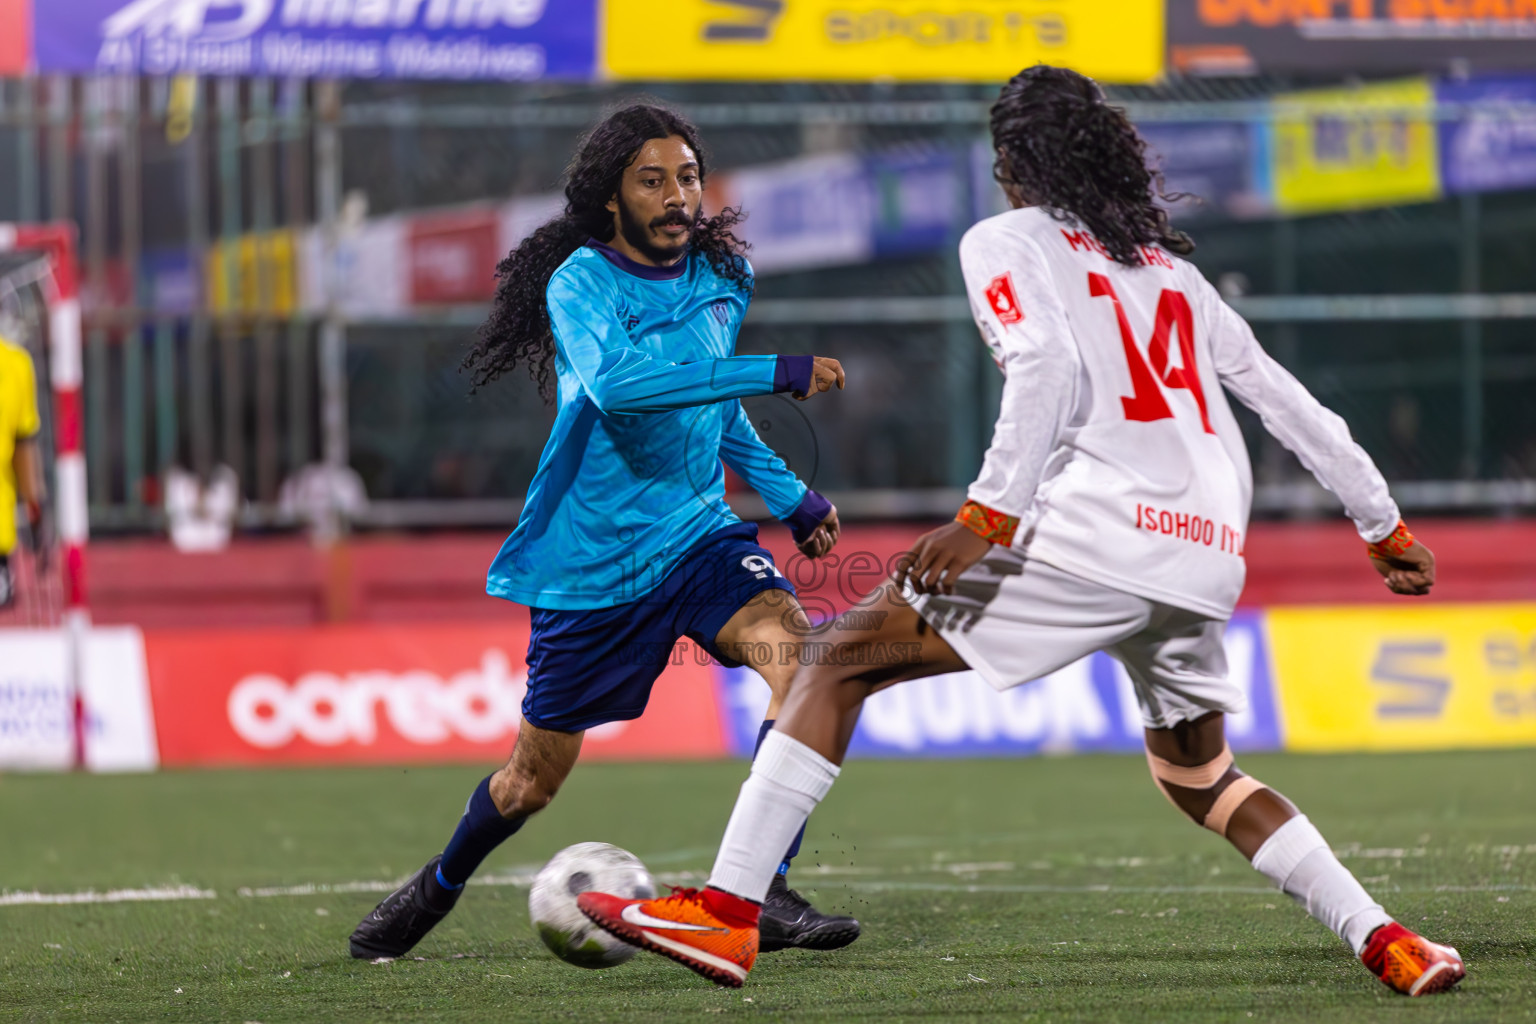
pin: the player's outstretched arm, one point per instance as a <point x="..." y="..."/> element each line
<point x="1321" y="440"/>
<point x="811" y="519"/>
<point x="619" y="378"/>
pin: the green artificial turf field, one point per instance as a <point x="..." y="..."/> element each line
<point x="1033" y="890"/>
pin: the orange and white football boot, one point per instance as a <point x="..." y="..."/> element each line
<point x="1409" y="963"/>
<point x="709" y="931"/>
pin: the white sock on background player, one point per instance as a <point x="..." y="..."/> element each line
<point x="1298" y="859"/>
<point x="788" y="780"/>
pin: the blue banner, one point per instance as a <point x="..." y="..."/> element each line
<point x="1213" y="162"/>
<point x="1087" y="706"/>
<point x="512" y="40"/>
<point x="918" y="201"/>
<point x="1492" y="145"/>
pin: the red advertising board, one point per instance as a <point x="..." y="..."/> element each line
<point x="15" y="36"/>
<point x="452" y="256"/>
<point x="387" y="694"/>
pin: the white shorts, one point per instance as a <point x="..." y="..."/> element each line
<point x="1015" y="619"/>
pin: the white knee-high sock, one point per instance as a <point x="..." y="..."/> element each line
<point x="1297" y="858"/>
<point x="788" y="780"/>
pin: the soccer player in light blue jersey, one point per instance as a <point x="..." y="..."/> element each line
<point x="633" y="299"/>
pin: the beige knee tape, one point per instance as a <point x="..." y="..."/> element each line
<point x="1230" y="800"/>
<point x="1204" y="776"/>
<point x="1200" y="776"/>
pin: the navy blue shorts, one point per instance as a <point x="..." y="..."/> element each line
<point x="595" y="665"/>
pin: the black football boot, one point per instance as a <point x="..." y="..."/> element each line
<point x="404" y="917"/>
<point x="789" y="921"/>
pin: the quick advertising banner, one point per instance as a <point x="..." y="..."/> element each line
<point x="1492" y="146"/>
<point x="511" y="40"/>
<point x="1430" y="678"/>
<point x="865" y="40"/>
<point x="1374" y="36"/>
<point x="1370" y="145"/>
<point x="387" y="695"/>
<point x="1088" y="706"/>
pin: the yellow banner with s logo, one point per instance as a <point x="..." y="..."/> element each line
<point x="1426" y="678"/>
<point x="871" y="40"/>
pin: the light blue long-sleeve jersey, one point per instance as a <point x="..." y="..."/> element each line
<point x="648" y="390"/>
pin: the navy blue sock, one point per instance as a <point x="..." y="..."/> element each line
<point x="794" y="847"/>
<point x="480" y="831"/>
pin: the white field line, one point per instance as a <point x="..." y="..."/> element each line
<point x="161" y="894"/>
<point x="154" y="894"/>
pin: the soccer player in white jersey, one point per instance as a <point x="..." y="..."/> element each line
<point x="1109" y="515"/>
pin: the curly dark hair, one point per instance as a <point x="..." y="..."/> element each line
<point x="517" y="330"/>
<point x="1062" y="147"/>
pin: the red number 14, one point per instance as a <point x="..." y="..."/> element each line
<point x="1147" y="401"/>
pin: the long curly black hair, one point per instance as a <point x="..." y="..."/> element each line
<point x="517" y="330"/>
<point x="1062" y="147"/>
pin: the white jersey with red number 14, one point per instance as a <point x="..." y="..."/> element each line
<point x="1115" y="446"/>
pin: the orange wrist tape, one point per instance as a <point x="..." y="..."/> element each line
<point x="987" y="523"/>
<point x="1394" y="544"/>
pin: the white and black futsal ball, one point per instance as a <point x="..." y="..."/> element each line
<point x="585" y="867"/>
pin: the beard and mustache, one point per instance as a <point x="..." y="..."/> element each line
<point x="640" y="234"/>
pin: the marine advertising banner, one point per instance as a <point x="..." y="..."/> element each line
<point x="508" y="40"/>
<point x="1369" y="145"/>
<point x="1425" y="678"/>
<point x="869" y="40"/>
<point x="1492" y="145"/>
<point x="1360" y="36"/>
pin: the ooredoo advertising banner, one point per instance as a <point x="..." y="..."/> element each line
<point x="1331" y="36"/>
<point x="512" y="40"/>
<point x="959" y="40"/>
<point x="387" y="694"/>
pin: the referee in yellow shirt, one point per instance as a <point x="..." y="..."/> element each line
<point x="21" y="463"/>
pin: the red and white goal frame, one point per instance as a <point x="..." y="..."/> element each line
<point x="55" y="244"/>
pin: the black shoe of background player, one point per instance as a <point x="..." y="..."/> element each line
<point x="788" y="921"/>
<point x="404" y="917"/>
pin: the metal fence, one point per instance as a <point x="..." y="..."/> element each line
<point x="1417" y="323"/>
